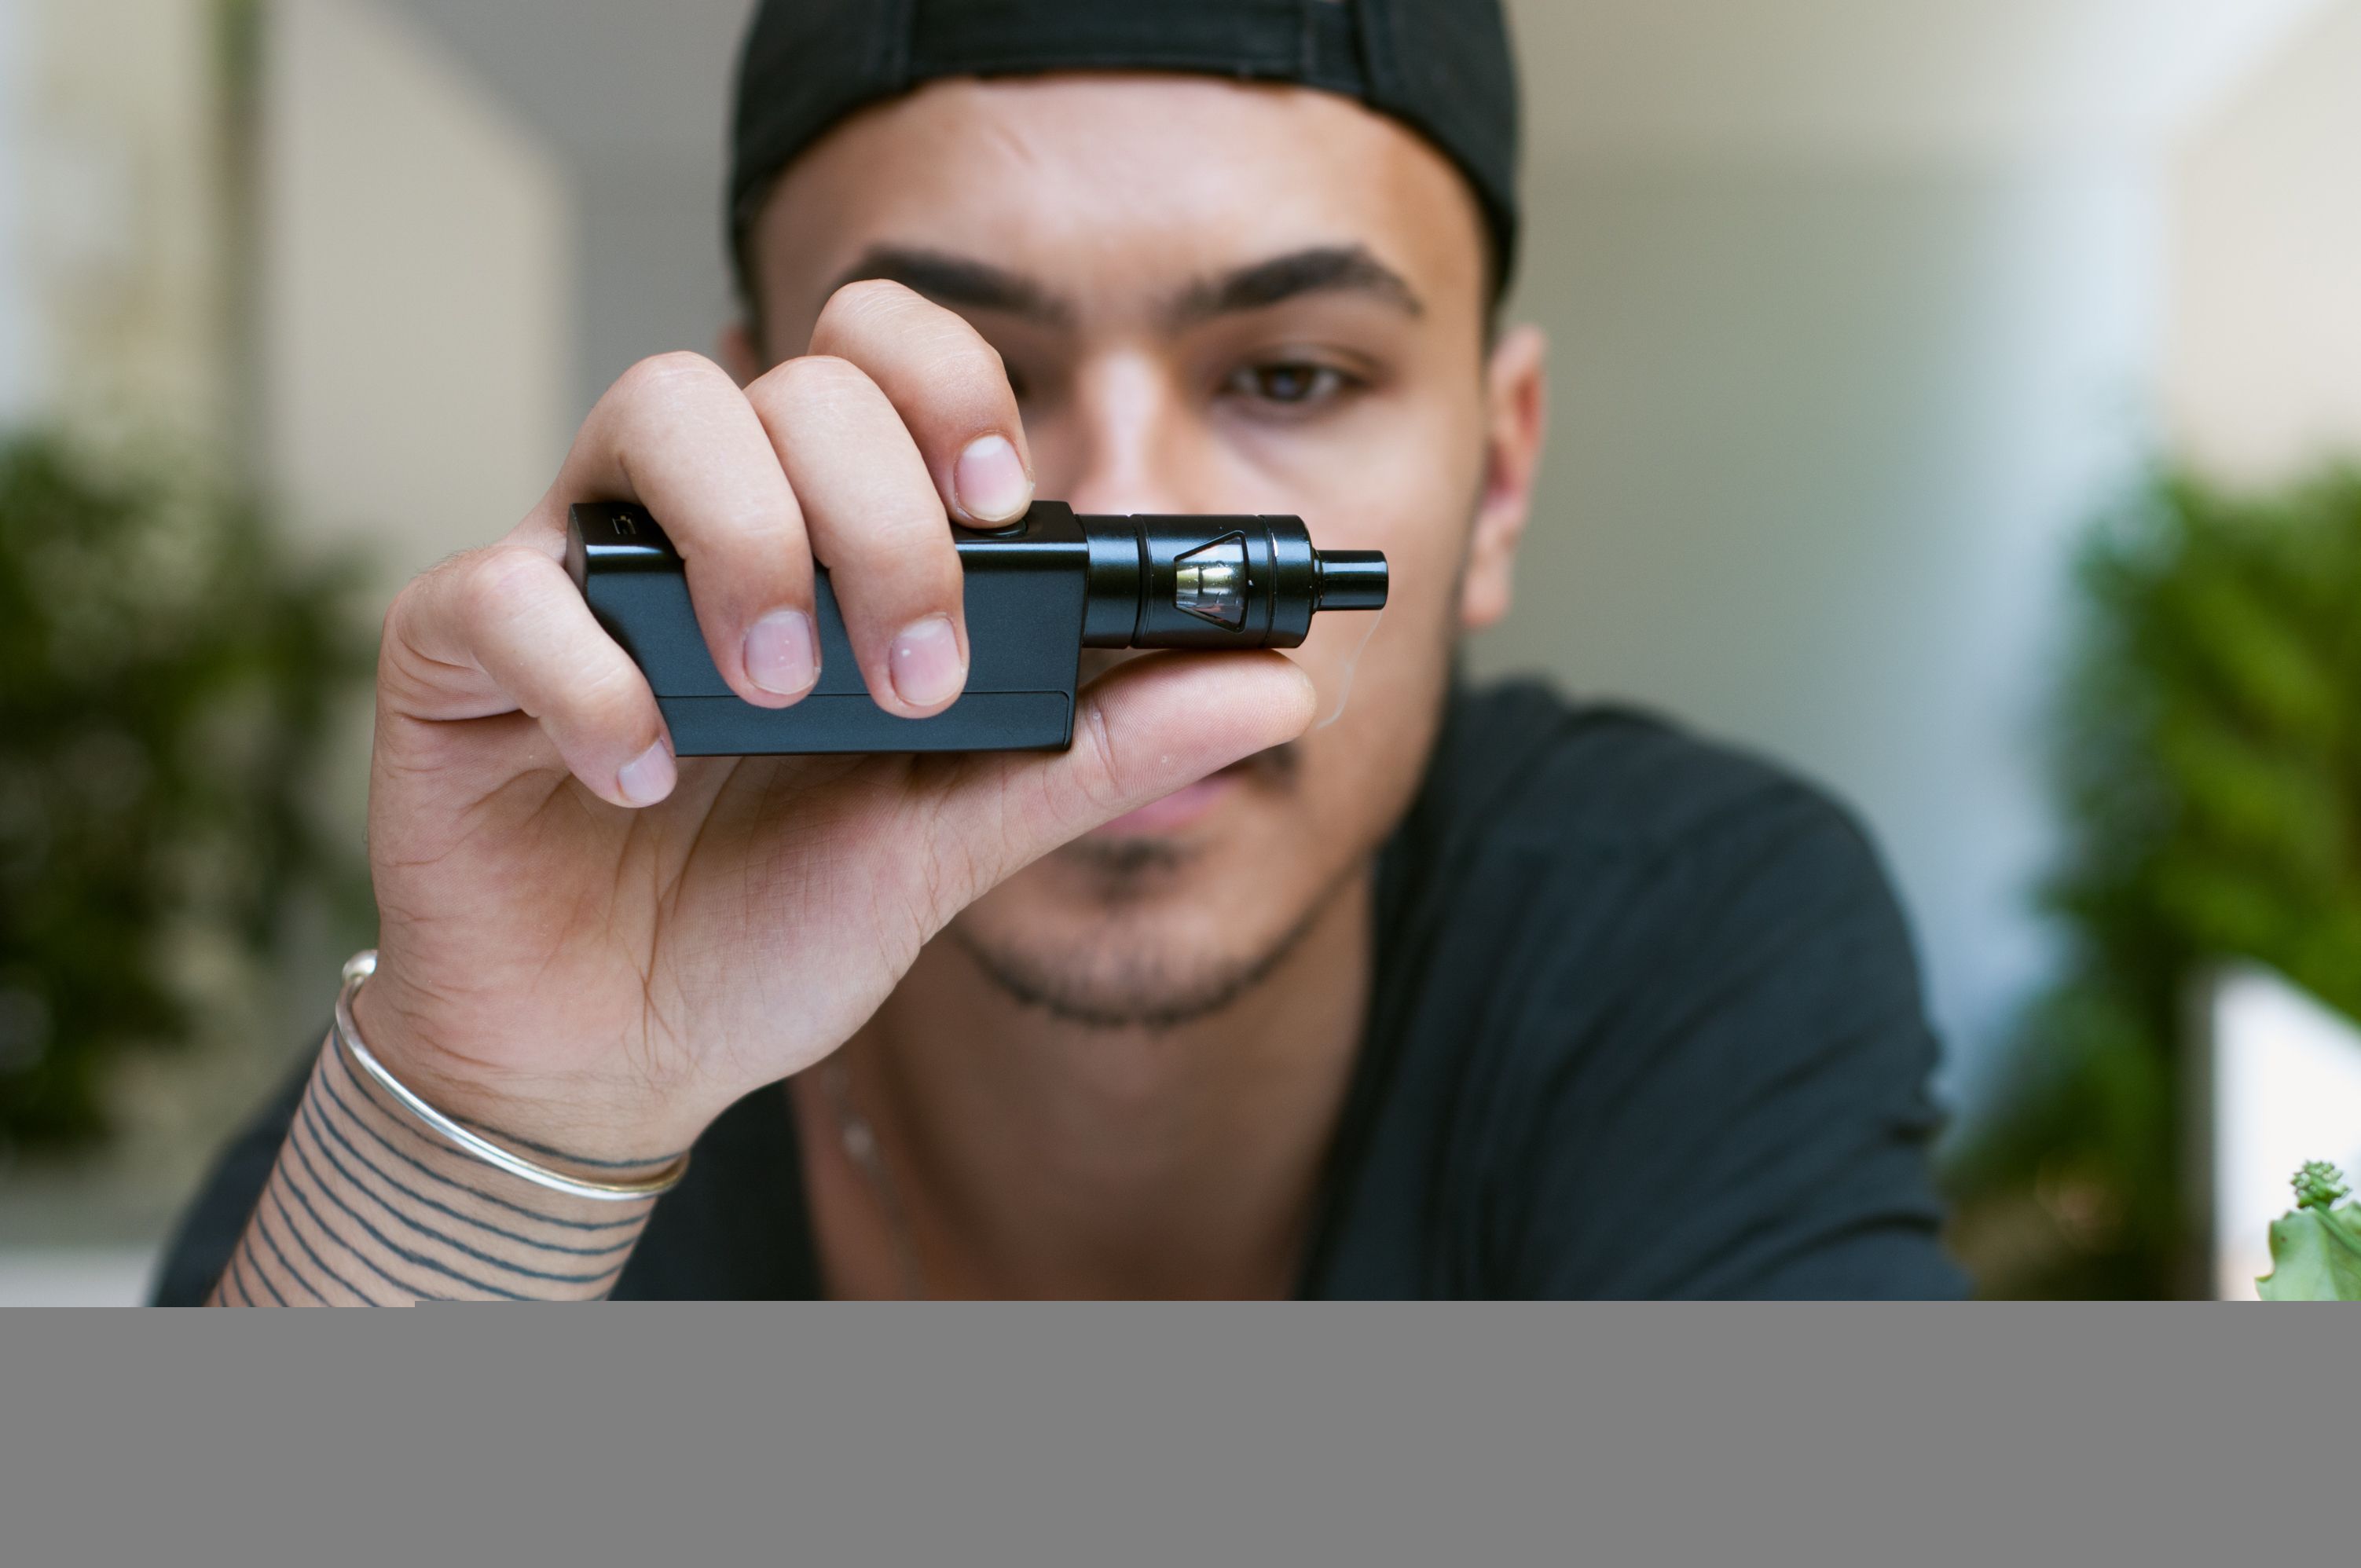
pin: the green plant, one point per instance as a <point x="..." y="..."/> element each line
<point x="2316" y="1247"/>
<point x="167" y="671"/>
<point x="2210" y="771"/>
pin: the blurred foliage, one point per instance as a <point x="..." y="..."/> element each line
<point x="2209" y="762"/>
<point x="167" y="672"/>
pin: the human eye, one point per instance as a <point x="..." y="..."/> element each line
<point x="1291" y="385"/>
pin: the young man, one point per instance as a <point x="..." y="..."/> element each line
<point x="1460" y="994"/>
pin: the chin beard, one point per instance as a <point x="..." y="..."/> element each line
<point x="1126" y="980"/>
<point x="1130" y="985"/>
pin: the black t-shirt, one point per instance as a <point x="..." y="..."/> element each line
<point x="1645" y="1023"/>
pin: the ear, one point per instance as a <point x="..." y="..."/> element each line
<point x="734" y="349"/>
<point x="1516" y="421"/>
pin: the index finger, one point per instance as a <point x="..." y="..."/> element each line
<point x="949" y="388"/>
<point x="676" y="434"/>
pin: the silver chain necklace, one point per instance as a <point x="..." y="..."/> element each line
<point x="859" y="1140"/>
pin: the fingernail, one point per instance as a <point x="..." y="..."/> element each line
<point x="926" y="663"/>
<point x="782" y="655"/>
<point x="648" y="777"/>
<point x="990" y="480"/>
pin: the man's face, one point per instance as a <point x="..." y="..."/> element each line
<point x="1210" y="298"/>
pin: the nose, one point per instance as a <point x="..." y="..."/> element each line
<point x="1131" y="447"/>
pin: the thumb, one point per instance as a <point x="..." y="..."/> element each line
<point x="1145" y="728"/>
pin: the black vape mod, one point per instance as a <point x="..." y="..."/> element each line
<point x="1039" y="592"/>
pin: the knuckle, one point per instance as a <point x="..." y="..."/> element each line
<point x="862" y="300"/>
<point x="909" y="553"/>
<point x="824" y="374"/>
<point x="813" y="384"/>
<point x="416" y="625"/>
<point x="952" y="359"/>
<point x="496" y="583"/>
<point x="415" y="594"/>
<point x="606" y="700"/>
<point x="399" y="638"/>
<point x="668" y="375"/>
<point x="402" y="616"/>
<point x="967" y="382"/>
<point x="990" y="365"/>
<point x="958" y="349"/>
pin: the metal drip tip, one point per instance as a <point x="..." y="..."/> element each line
<point x="1349" y="579"/>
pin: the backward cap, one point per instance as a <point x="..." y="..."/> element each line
<point x="1442" y="67"/>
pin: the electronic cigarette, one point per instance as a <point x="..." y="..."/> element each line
<point x="1038" y="593"/>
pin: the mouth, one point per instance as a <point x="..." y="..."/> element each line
<point x="1273" y="770"/>
<point x="1182" y="809"/>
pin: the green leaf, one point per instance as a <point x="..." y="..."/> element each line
<point x="2315" y="1257"/>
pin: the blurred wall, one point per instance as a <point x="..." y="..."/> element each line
<point x="2264" y="337"/>
<point x="1826" y="432"/>
<point x="653" y="274"/>
<point x="418" y="290"/>
<point x="633" y="98"/>
<point x="19" y="390"/>
<point x="112" y="219"/>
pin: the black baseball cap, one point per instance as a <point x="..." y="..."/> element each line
<point x="1443" y="68"/>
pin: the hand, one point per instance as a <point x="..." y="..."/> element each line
<point x="586" y="943"/>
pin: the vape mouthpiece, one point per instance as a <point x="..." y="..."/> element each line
<point x="1350" y="579"/>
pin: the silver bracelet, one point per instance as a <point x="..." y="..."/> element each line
<point x="347" y="1037"/>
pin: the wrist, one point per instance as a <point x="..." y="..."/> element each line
<point x="572" y="1120"/>
<point x="388" y="1132"/>
<point x="365" y="1208"/>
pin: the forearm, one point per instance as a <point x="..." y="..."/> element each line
<point x="364" y="1209"/>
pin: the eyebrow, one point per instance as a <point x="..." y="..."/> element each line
<point x="1320" y="269"/>
<point x="965" y="283"/>
<point x="959" y="282"/>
